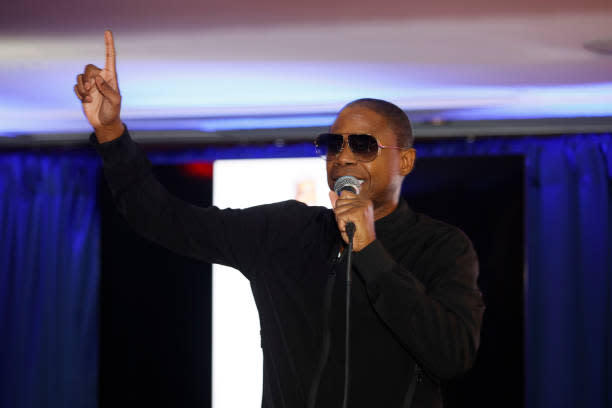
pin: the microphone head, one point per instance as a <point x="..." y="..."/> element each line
<point x="349" y="183"/>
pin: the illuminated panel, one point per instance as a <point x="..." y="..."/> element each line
<point x="237" y="357"/>
<point x="230" y="95"/>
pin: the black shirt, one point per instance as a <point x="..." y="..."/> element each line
<point x="415" y="304"/>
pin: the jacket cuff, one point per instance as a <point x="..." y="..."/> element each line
<point x="123" y="160"/>
<point x="373" y="260"/>
<point x="377" y="268"/>
<point x="111" y="152"/>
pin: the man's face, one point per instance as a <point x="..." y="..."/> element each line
<point x="382" y="177"/>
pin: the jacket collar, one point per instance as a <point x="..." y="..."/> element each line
<point x="401" y="217"/>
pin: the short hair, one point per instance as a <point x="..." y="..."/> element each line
<point x="395" y="116"/>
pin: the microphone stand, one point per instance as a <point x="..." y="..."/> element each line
<point x="350" y="231"/>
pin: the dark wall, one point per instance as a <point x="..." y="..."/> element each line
<point x="155" y="346"/>
<point x="484" y="196"/>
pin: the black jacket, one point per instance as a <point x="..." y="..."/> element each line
<point x="414" y="295"/>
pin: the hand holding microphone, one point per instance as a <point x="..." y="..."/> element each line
<point x="349" y="208"/>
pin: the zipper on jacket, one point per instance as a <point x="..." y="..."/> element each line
<point x="418" y="372"/>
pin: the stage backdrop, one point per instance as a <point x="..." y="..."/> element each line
<point x="49" y="268"/>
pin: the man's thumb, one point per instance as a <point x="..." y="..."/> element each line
<point x="333" y="197"/>
<point x="106" y="90"/>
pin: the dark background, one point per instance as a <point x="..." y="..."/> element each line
<point x="155" y="346"/>
<point x="156" y="309"/>
<point x="484" y="196"/>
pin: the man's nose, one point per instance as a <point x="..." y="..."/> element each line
<point x="346" y="156"/>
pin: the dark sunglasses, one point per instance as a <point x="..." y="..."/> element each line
<point x="364" y="147"/>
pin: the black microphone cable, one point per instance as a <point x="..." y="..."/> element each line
<point x="350" y="231"/>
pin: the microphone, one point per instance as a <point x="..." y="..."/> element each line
<point x="348" y="183"/>
<point x="352" y="184"/>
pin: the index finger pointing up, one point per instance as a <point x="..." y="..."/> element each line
<point x="110" y="51"/>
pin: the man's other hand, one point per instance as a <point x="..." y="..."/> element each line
<point x="98" y="91"/>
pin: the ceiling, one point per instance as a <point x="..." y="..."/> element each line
<point x="222" y="65"/>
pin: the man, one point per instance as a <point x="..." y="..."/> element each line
<point x="416" y="308"/>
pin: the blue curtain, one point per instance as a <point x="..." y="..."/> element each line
<point x="49" y="273"/>
<point x="569" y="272"/>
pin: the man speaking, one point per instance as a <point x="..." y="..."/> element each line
<point x="415" y="308"/>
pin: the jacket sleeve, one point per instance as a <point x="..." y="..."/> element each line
<point x="438" y="324"/>
<point x="229" y="237"/>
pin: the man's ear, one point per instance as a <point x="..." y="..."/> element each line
<point x="407" y="159"/>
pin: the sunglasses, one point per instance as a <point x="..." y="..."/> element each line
<point x="365" y="148"/>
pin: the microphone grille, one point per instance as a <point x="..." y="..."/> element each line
<point x="349" y="183"/>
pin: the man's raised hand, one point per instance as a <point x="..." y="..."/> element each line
<point x="98" y="91"/>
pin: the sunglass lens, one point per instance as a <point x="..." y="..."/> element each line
<point x="329" y="145"/>
<point x="364" y="146"/>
